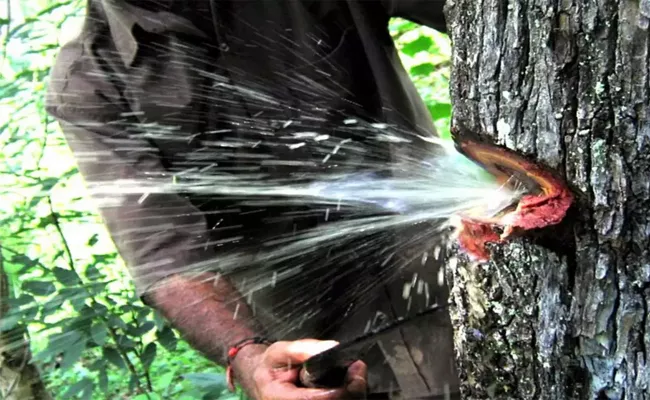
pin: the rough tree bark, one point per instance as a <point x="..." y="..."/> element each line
<point x="566" y="83"/>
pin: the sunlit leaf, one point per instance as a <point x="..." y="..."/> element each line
<point x="440" y="110"/>
<point x="422" y="69"/>
<point x="422" y="43"/>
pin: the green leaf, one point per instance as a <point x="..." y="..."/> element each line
<point x="116" y="322"/>
<point x="24" y="260"/>
<point x="167" y="339"/>
<point x="65" y="339"/>
<point x="76" y="296"/>
<point x="45" y="221"/>
<point x="159" y="320"/>
<point x="440" y="110"/>
<point x="424" y="69"/>
<point x="77" y="387"/>
<point x="114" y="357"/>
<point x="143" y="314"/>
<point x="98" y="365"/>
<point x="99" y="309"/>
<point x="142" y="329"/>
<point x="125" y="342"/>
<point x="22" y="300"/>
<point x="48" y="183"/>
<point x="88" y="392"/>
<point x="148" y="355"/>
<point x="72" y="354"/>
<point x="93" y="240"/>
<point x="165" y="380"/>
<point x="57" y="343"/>
<point x="53" y="304"/>
<point x="92" y="273"/>
<point x="97" y="288"/>
<point x="39" y="288"/>
<point x="81" y="323"/>
<point x="29" y="313"/>
<point x="66" y="277"/>
<point x="422" y="43"/>
<point x="133" y="383"/>
<point x="99" y="333"/>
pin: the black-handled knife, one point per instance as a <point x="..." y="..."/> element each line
<point x="329" y="368"/>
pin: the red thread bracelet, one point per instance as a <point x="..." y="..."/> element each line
<point x="232" y="353"/>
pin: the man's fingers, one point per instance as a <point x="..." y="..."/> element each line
<point x="283" y="354"/>
<point x="357" y="378"/>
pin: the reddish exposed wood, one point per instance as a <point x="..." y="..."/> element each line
<point x="547" y="206"/>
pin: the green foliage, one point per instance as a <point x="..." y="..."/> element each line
<point x="91" y="336"/>
<point x="425" y="53"/>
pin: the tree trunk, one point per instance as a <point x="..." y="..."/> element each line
<point x="564" y="82"/>
<point x="19" y="378"/>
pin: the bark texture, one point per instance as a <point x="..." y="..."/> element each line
<point x="565" y="82"/>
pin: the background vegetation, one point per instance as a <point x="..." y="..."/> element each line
<point x="68" y="289"/>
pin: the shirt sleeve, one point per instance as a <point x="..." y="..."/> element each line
<point x="424" y="12"/>
<point x="157" y="234"/>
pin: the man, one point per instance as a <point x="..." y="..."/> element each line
<point x="172" y="90"/>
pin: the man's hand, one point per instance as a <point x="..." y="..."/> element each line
<point x="273" y="373"/>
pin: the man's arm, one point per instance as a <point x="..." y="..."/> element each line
<point x="424" y="12"/>
<point x="202" y="306"/>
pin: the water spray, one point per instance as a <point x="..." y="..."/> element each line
<point x="543" y="201"/>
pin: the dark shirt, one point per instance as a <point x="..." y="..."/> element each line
<point x="169" y="88"/>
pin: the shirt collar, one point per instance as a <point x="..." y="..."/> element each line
<point x="122" y="17"/>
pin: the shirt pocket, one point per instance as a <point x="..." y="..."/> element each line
<point x="168" y="90"/>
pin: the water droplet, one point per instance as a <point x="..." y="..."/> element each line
<point x="406" y="291"/>
<point x="143" y="198"/>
